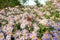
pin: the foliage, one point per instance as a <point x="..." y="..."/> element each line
<point x="43" y="29"/>
<point x="6" y="3"/>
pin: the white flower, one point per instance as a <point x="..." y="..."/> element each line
<point x="47" y="13"/>
<point x="18" y="33"/>
<point x="12" y="23"/>
<point x="16" y="18"/>
<point x="35" y="27"/>
<point x="17" y="38"/>
<point x="24" y="32"/>
<point x="23" y="24"/>
<point x="9" y="13"/>
<point x="8" y="37"/>
<point x="30" y="3"/>
<point x="1" y="16"/>
<point x="2" y="11"/>
<point x="4" y="28"/>
<point x="37" y="19"/>
<point x="9" y="29"/>
<point x="33" y="35"/>
<point x="42" y="2"/>
<point x="11" y="9"/>
<point x="22" y="38"/>
<point x="43" y="22"/>
<point x="1" y="36"/>
<point x="25" y="14"/>
<point x="16" y="10"/>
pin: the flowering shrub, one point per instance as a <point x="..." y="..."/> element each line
<point x="31" y="23"/>
<point x="32" y="2"/>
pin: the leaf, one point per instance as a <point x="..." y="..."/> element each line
<point x="10" y="3"/>
<point x="24" y="1"/>
<point x="31" y="29"/>
<point x="41" y="30"/>
<point x="13" y="31"/>
<point x="18" y="26"/>
<point x="47" y="16"/>
<point x="0" y="25"/>
<point x="27" y="27"/>
<point x="33" y="21"/>
<point x="49" y="29"/>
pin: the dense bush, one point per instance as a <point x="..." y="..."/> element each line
<point x="6" y="3"/>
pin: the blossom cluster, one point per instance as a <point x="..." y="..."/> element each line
<point x="30" y="23"/>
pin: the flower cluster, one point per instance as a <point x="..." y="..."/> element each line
<point x="31" y="23"/>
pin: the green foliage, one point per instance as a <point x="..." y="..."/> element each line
<point x="50" y="28"/>
<point x="31" y="29"/>
<point x="38" y="4"/>
<point x="17" y="26"/>
<point x="6" y="21"/>
<point x="33" y="21"/>
<point x="46" y="16"/>
<point x="27" y="27"/>
<point x="49" y="3"/>
<point x="57" y="15"/>
<point x="0" y="24"/>
<point x="6" y="3"/>
<point x="24" y="1"/>
<point x="13" y="31"/>
<point x="42" y="30"/>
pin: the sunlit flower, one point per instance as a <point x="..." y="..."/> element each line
<point x="29" y="18"/>
<point x="52" y="17"/>
<point x="56" y="36"/>
<point x="47" y="13"/>
<point x="43" y="2"/>
<point x="46" y="36"/>
<point x="8" y="37"/>
<point x="58" y="19"/>
<point x="57" y="26"/>
<point x="43" y="22"/>
<point x="18" y="33"/>
<point x="22" y="38"/>
<point x="24" y="32"/>
<point x="35" y="27"/>
<point x="4" y="28"/>
<point x="30" y="3"/>
<point x="33" y="35"/>
<point x="1" y="36"/>
<point x="23" y="24"/>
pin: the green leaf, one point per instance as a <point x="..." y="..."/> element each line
<point x="18" y="26"/>
<point x="41" y="30"/>
<point x="27" y="27"/>
<point x="49" y="29"/>
<point x="31" y="29"/>
<point x="24" y="1"/>
<point x="13" y="31"/>
<point x="10" y="3"/>
<point x="0" y="25"/>
<point x="46" y="16"/>
<point x="33" y="21"/>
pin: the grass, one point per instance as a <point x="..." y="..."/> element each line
<point x="7" y="3"/>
